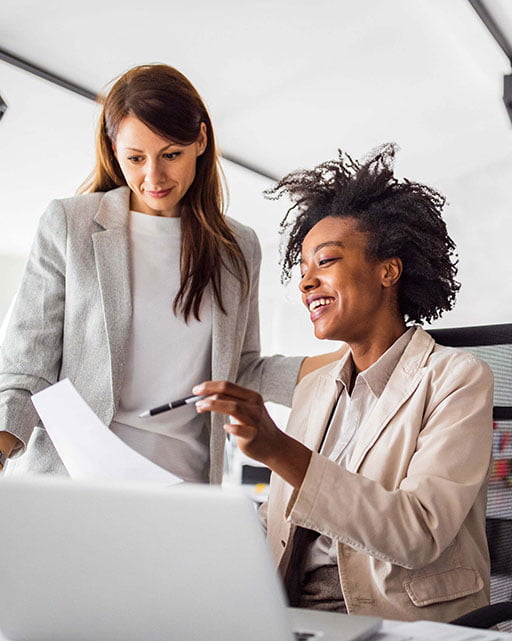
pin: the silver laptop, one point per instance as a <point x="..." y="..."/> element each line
<point x="93" y="562"/>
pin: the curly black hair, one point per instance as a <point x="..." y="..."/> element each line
<point x="401" y="219"/>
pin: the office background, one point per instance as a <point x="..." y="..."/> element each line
<point x="287" y="83"/>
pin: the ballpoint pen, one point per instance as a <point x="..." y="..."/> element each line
<point x="189" y="400"/>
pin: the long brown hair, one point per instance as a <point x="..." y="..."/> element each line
<point x="165" y="101"/>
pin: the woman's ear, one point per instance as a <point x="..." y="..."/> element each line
<point x="202" y="139"/>
<point x="392" y="270"/>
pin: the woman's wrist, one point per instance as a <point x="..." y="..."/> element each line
<point x="290" y="460"/>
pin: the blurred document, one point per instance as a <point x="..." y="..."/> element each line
<point x="428" y="630"/>
<point x="87" y="447"/>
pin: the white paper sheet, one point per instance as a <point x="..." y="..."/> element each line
<point x="429" y="630"/>
<point x="87" y="447"/>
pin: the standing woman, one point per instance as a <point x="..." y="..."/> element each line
<point x="139" y="288"/>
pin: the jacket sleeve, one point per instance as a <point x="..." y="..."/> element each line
<point x="274" y="377"/>
<point x="31" y="353"/>
<point x="411" y="525"/>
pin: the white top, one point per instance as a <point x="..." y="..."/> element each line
<point x="166" y="355"/>
<point x="351" y="410"/>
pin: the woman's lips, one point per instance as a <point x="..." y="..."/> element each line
<point x="317" y="311"/>
<point x="159" y="194"/>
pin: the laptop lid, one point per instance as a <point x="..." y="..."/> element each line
<point x="95" y="562"/>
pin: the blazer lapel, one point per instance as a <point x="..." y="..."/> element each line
<point x="402" y="383"/>
<point x="224" y="334"/>
<point x="325" y="396"/>
<point x="111" y="250"/>
<point x="224" y="337"/>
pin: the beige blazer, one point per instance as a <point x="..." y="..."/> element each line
<point x="72" y="318"/>
<point x="409" y="511"/>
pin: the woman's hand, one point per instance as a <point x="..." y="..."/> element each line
<point x="8" y="443"/>
<point x="257" y="435"/>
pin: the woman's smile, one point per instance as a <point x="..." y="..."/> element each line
<point x="161" y="193"/>
<point x="318" y="305"/>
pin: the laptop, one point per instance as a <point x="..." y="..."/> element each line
<point x="87" y="561"/>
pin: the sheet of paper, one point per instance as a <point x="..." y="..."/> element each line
<point x="428" y="630"/>
<point x="87" y="447"/>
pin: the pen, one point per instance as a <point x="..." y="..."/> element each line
<point x="170" y="406"/>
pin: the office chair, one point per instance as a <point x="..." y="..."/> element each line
<point x="493" y="344"/>
<point x="488" y="616"/>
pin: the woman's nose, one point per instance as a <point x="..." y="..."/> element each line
<point x="308" y="281"/>
<point x="154" y="173"/>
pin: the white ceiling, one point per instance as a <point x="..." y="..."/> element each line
<point x="288" y="82"/>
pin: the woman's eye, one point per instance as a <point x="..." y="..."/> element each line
<point x="135" y="159"/>
<point x="326" y="261"/>
<point x="171" y="155"/>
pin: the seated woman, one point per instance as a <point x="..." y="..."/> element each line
<point x="377" y="500"/>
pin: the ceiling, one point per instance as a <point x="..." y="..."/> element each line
<point x="288" y="82"/>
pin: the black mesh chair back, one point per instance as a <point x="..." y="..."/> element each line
<point x="493" y="344"/>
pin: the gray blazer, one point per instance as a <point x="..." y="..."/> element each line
<point x="72" y="319"/>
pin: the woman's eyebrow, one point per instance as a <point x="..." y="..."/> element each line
<point x="336" y="243"/>
<point x="328" y="243"/>
<point x="141" y="151"/>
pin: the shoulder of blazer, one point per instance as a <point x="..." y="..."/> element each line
<point x="108" y="209"/>
<point x="327" y="372"/>
<point x="240" y="229"/>
<point x="436" y="364"/>
<point x="245" y="235"/>
<point x="450" y="358"/>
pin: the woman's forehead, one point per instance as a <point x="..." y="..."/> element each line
<point x="339" y="231"/>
